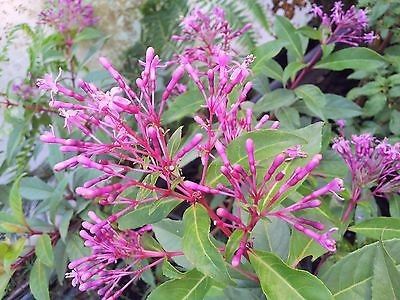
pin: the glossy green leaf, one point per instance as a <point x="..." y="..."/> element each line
<point x="169" y="234"/>
<point x="44" y="250"/>
<point x="352" y="58"/>
<point x="148" y="213"/>
<point x="233" y="244"/>
<point x="192" y="286"/>
<point x="379" y="228"/>
<point x="313" y="98"/>
<point x="286" y="32"/>
<point x="175" y="141"/>
<point x="302" y="246"/>
<point x="386" y="280"/>
<point x="291" y="70"/>
<point x="273" y="70"/>
<point x="265" y="52"/>
<point x="236" y="151"/>
<point x="39" y="281"/>
<point x="274" y="100"/>
<point x="170" y="271"/>
<point x="338" y="107"/>
<point x="279" y="281"/>
<point x="197" y="246"/>
<point x="272" y="236"/>
<point x="183" y="106"/>
<point x="351" y="277"/>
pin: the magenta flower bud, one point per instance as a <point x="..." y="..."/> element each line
<point x="69" y="163"/>
<point x="96" y="180"/>
<point x="48" y="137"/>
<point x="176" y="76"/>
<point x="275" y="125"/>
<point x="236" y="259"/>
<point x="105" y="62"/>
<point x="279" y="176"/>
<point x="262" y="122"/>
<point x="222" y="153"/>
<point x="199" y="121"/>
<point x="199" y="187"/>
<point x="246" y="89"/>
<point x="85" y="192"/>
<point x="250" y="154"/>
<point x="150" y="54"/>
<point x="278" y="161"/>
<point x="224" y="213"/>
<point x="190" y="146"/>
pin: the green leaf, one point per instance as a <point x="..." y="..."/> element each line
<point x="288" y="117"/>
<point x="33" y="188"/>
<point x="291" y="71"/>
<point x="302" y="246"/>
<point x="197" y="246"/>
<point x="64" y="224"/>
<point x="394" y="124"/>
<point x="39" y="281"/>
<point x="338" y="107"/>
<point x="351" y="277"/>
<point x="236" y="151"/>
<point x="61" y="259"/>
<point x="15" y="201"/>
<point x="272" y="236"/>
<point x="10" y="224"/>
<point x="379" y="228"/>
<point x="148" y="213"/>
<point x="192" y="286"/>
<point x="4" y="279"/>
<point x="374" y="104"/>
<point x="233" y="244"/>
<point x="273" y="70"/>
<point x="274" y="100"/>
<point x="286" y="32"/>
<point x="265" y="52"/>
<point x="386" y="280"/>
<point x="313" y="98"/>
<point x="279" y="281"/>
<point x="75" y="248"/>
<point x="170" y="271"/>
<point x="89" y="33"/>
<point x="92" y="51"/>
<point x="44" y="250"/>
<point x="352" y="58"/>
<point x="394" y="205"/>
<point x="169" y="234"/>
<point x="174" y="141"/>
<point x="183" y="106"/>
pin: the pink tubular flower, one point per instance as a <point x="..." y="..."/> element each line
<point x="115" y="255"/>
<point x="265" y="194"/>
<point x="68" y="15"/>
<point x="372" y="163"/>
<point x="348" y="27"/>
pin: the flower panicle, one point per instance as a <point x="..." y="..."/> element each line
<point x="345" y="26"/>
<point x="68" y="16"/>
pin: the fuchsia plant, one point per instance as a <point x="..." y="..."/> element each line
<point x="118" y="149"/>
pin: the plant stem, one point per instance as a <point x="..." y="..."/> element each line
<point x="307" y="69"/>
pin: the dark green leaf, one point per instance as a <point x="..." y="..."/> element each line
<point x="338" y="107"/>
<point x="197" y="246"/>
<point x="352" y="58"/>
<point x="394" y="124"/>
<point x="379" y="228"/>
<point x="279" y="281"/>
<point x="313" y="98"/>
<point x="148" y="213"/>
<point x="175" y="141"/>
<point x="386" y="280"/>
<point x="273" y="70"/>
<point x="33" y="188"/>
<point x="351" y="277"/>
<point x="183" y="106"/>
<point x="265" y="52"/>
<point x="233" y="244"/>
<point x="375" y="104"/>
<point x="302" y="246"/>
<point x="286" y="32"/>
<point x="288" y="117"/>
<point x="170" y="271"/>
<point x="275" y="99"/>
<point x="192" y="286"/>
<point x="291" y="71"/>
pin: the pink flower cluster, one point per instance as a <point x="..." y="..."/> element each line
<point x="68" y="15"/>
<point x="348" y="27"/>
<point x="373" y="164"/>
<point x="124" y="139"/>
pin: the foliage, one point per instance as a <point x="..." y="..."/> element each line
<point x="189" y="189"/>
